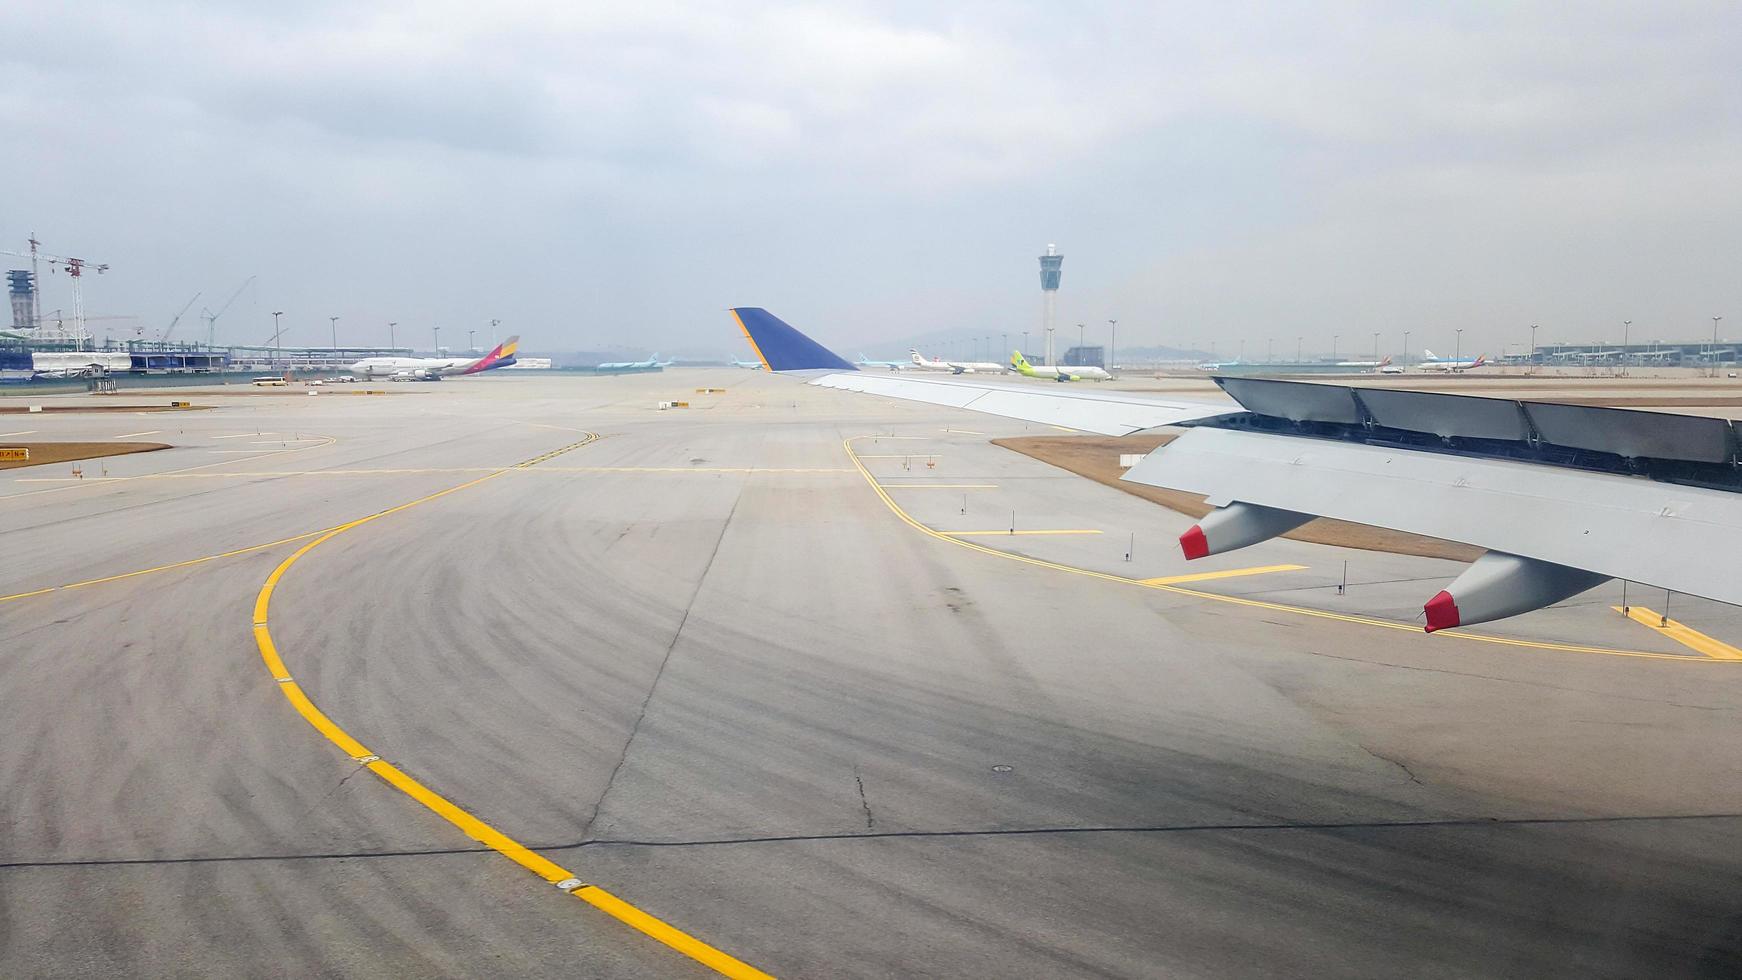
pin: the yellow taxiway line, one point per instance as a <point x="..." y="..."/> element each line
<point x="937" y="486"/>
<point x="1008" y="532"/>
<point x="1373" y="621"/>
<point x="1687" y="636"/>
<point x="249" y="474"/>
<point x="75" y="483"/>
<point x="1225" y="573"/>
<point x="470" y="825"/>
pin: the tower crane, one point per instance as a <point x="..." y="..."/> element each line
<point x="74" y="268"/>
<point x="212" y="318"/>
<point x="184" y="308"/>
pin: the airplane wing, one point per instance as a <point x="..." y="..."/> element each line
<point x="1563" y="497"/>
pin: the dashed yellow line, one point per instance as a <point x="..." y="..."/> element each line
<point x="1687" y="636"/>
<point x="895" y="508"/>
<point x="1225" y="573"/>
<point x="470" y="825"/>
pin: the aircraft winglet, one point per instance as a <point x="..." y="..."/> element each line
<point x="781" y="347"/>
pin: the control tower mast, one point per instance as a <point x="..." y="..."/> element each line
<point x="1051" y="272"/>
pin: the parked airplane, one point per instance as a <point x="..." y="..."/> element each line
<point x="1564" y="497"/>
<point x="748" y="365"/>
<point x="1378" y="365"/>
<point x="628" y="367"/>
<point x="866" y="362"/>
<point x="435" y="368"/>
<point x="1450" y="364"/>
<point x="954" y="367"/>
<point x="918" y="362"/>
<point x="1027" y="370"/>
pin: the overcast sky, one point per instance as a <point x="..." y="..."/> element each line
<point x="618" y="175"/>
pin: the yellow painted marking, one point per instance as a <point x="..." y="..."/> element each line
<point x="14" y="454"/>
<point x="242" y="435"/>
<point x="1226" y="573"/>
<point x="1060" y="428"/>
<point x="908" y="519"/>
<point x="900" y="455"/>
<point x="470" y="825"/>
<point x="248" y="474"/>
<point x="75" y="484"/>
<point x="160" y="568"/>
<point x="1007" y="532"/>
<point x="148" y="432"/>
<point x="939" y="486"/>
<point x="752" y="341"/>
<point x="1687" y="636"/>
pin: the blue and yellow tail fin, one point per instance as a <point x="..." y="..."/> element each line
<point x="781" y="347"/>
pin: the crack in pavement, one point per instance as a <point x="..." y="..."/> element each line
<point x="1450" y="823"/>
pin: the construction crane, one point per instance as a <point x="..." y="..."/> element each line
<point x="212" y="318"/>
<point x="184" y="308"/>
<point x="74" y="268"/>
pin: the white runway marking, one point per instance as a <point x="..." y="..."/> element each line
<point x="148" y="432"/>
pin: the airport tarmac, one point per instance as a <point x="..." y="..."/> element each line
<point x="774" y="671"/>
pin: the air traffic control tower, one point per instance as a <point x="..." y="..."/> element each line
<point x="1051" y="271"/>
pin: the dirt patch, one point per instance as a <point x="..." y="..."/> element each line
<point x="67" y="452"/>
<point x="97" y="409"/>
<point x="1097" y="457"/>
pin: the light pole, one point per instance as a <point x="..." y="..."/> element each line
<point x="1334" y="338"/>
<point x="1049" y="334"/>
<point x="1112" y="343"/>
<point x="277" y="343"/>
<point x="438" y="339"/>
<point x="1270" y="350"/>
<point x="1024" y="343"/>
<point x="1625" y="326"/>
<point x="1080" y="341"/>
<point x="1405" y="349"/>
<point x="1457" y="344"/>
<point x="1375" y="348"/>
<point x="335" y="322"/>
<point x="1713" y="356"/>
<point x="1299" y="343"/>
<point x="471" y="345"/>
<point x="493" y="324"/>
<point x="390" y="341"/>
